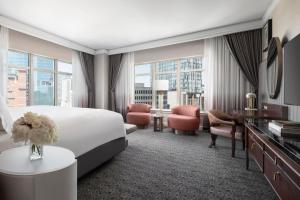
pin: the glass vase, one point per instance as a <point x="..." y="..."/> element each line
<point x="36" y="151"/>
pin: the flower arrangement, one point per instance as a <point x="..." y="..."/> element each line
<point x="38" y="129"/>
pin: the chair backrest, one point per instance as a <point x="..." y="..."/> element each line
<point x="139" y="107"/>
<point x="186" y="110"/>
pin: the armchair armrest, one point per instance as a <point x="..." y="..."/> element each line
<point x="216" y="121"/>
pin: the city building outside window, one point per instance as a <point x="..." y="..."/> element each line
<point x="38" y="80"/>
<point x="18" y="79"/>
<point x="185" y="82"/>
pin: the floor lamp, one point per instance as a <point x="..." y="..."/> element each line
<point x="161" y="86"/>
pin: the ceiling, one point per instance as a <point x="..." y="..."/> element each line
<point x="110" y="24"/>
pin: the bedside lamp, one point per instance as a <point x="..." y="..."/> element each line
<point x="161" y="86"/>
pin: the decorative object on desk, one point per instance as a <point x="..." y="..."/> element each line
<point x="251" y="99"/>
<point x="161" y="86"/>
<point x="274" y="67"/>
<point x="38" y="130"/>
<point x="286" y="129"/>
<point x="266" y="34"/>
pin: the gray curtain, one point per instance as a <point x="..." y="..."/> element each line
<point x="114" y="73"/>
<point x="247" y="50"/>
<point x="87" y="64"/>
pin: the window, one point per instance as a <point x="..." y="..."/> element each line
<point x="64" y="84"/>
<point x="185" y="82"/>
<point x="38" y="80"/>
<point x="43" y="81"/>
<point x="18" y="79"/>
<point x="143" y="84"/>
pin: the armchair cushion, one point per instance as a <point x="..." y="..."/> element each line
<point x="138" y="118"/>
<point x="225" y="131"/>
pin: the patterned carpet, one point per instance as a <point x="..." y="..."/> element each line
<point x="169" y="166"/>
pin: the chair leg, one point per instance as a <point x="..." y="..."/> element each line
<point x="213" y="140"/>
<point x="233" y="145"/>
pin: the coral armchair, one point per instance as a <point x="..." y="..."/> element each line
<point x="138" y="114"/>
<point x="184" y="118"/>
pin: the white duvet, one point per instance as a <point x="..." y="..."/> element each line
<point x="80" y="129"/>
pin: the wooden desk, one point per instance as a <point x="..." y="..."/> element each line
<point x="280" y="168"/>
<point x="268" y="111"/>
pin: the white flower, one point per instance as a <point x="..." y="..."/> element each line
<point x="38" y="129"/>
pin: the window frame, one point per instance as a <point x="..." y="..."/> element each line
<point x="31" y="69"/>
<point x="28" y="98"/>
<point x="154" y="73"/>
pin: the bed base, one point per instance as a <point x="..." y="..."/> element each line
<point x="95" y="157"/>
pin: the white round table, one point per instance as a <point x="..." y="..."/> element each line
<point x="53" y="177"/>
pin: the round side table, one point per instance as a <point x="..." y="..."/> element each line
<point x="158" y="123"/>
<point x="53" y="177"/>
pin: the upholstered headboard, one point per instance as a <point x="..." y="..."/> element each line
<point x="275" y="111"/>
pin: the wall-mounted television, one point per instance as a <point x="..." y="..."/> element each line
<point x="292" y="71"/>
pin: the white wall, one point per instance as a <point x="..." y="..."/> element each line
<point x="23" y="42"/>
<point x="187" y="49"/>
<point x="285" y="25"/>
<point x="101" y="80"/>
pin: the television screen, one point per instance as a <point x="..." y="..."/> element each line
<point x="292" y="72"/>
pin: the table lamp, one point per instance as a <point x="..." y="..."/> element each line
<point x="251" y="97"/>
<point x="161" y="86"/>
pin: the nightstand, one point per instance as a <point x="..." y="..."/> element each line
<point x="53" y="177"/>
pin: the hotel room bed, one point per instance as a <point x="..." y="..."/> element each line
<point x="94" y="135"/>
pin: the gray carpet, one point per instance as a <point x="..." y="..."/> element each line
<point x="169" y="166"/>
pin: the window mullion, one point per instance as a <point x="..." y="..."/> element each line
<point x="55" y="82"/>
<point x="178" y="81"/>
<point x="31" y="79"/>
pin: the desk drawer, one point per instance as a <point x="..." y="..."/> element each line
<point x="256" y="150"/>
<point x="281" y="183"/>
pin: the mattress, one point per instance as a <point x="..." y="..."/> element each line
<point x="79" y="129"/>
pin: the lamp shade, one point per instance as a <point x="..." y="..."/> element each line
<point x="161" y="85"/>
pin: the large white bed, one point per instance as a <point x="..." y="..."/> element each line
<point x="82" y="130"/>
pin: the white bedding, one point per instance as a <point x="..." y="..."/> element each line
<point x="80" y="129"/>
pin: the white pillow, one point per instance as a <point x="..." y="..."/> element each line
<point x="5" y="116"/>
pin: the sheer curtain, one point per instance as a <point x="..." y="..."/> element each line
<point x="125" y="84"/>
<point x="225" y="84"/>
<point x="3" y="60"/>
<point x="79" y="86"/>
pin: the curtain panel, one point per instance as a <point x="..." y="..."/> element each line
<point x="114" y="72"/>
<point x="225" y="84"/>
<point x="79" y="87"/>
<point x="246" y="47"/>
<point x="4" y="38"/>
<point x="124" y="91"/>
<point x="87" y="66"/>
